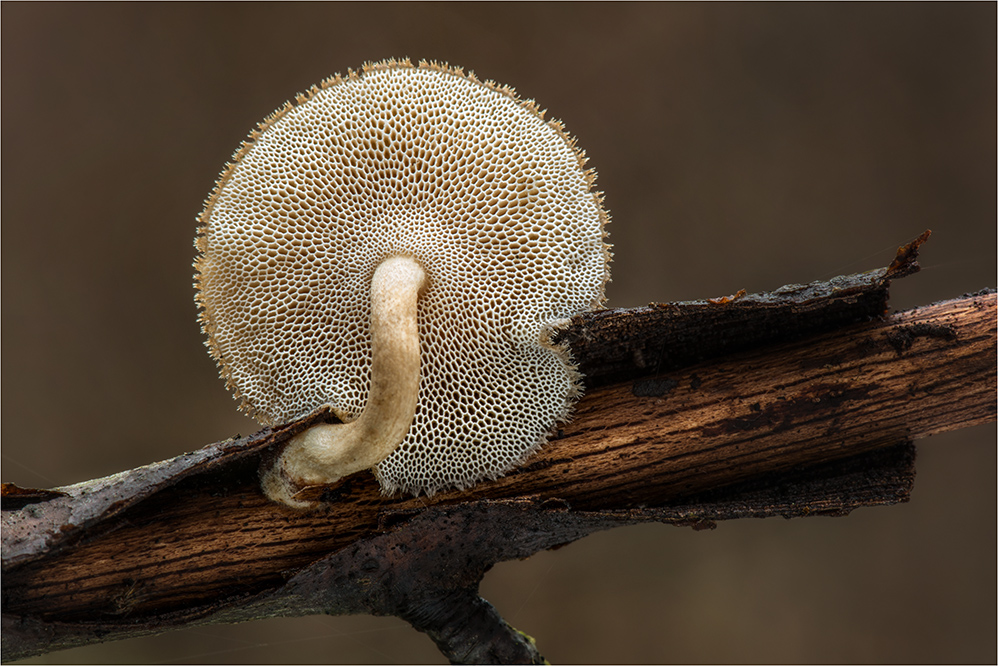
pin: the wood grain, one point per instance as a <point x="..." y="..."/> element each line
<point x="642" y="443"/>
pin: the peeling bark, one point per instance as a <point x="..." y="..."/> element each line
<point x="800" y="402"/>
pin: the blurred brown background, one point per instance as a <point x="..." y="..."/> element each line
<point x="739" y="146"/>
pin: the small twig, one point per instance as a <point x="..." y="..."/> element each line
<point x="758" y="414"/>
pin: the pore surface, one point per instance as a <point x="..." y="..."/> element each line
<point x="424" y="162"/>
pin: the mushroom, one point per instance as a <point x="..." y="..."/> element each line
<point x="401" y="244"/>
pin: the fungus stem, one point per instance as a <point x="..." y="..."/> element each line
<point x="326" y="453"/>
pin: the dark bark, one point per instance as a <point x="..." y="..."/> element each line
<point x="795" y="403"/>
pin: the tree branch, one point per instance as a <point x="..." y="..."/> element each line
<point x="794" y="403"/>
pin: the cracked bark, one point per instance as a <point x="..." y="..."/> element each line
<point x="803" y="401"/>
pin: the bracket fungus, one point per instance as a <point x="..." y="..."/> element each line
<point x="400" y="244"/>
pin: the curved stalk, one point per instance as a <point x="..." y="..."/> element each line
<point x="326" y="453"/>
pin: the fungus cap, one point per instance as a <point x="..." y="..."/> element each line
<point x="427" y="162"/>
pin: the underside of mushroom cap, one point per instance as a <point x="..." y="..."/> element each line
<point x="424" y="161"/>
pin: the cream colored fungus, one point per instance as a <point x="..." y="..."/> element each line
<point x="424" y="162"/>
